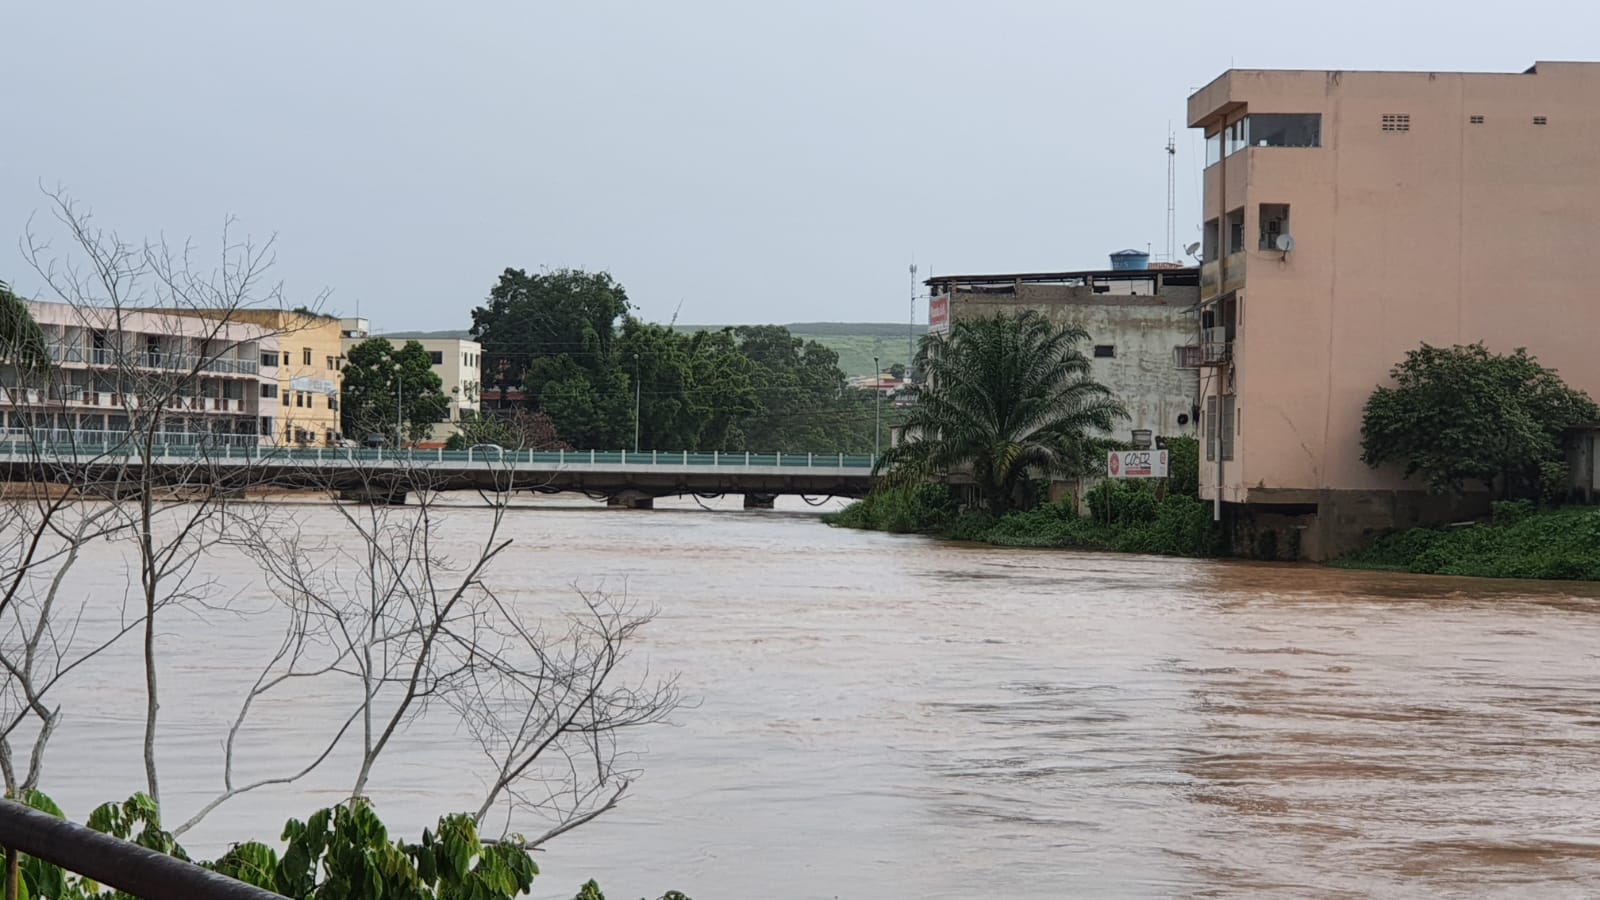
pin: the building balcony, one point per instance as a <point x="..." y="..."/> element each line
<point x="109" y="357"/>
<point x="1212" y="284"/>
<point x="1216" y="348"/>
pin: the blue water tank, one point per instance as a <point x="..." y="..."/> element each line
<point x="1130" y="260"/>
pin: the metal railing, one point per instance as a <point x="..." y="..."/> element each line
<point x="116" y="863"/>
<point x="88" y="445"/>
<point x="147" y="359"/>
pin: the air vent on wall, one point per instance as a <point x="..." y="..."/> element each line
<point x="1397" y="122"/>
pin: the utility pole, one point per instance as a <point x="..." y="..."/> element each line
<point x="877" y="406"/>
<point x="636" y="403"/>
<point x="399" y="409"/>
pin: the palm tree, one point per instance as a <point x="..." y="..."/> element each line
<point x="21" y="339"/>
<point x="1003" y="396"/>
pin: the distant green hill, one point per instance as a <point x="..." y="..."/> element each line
<point x="855" y="342"/>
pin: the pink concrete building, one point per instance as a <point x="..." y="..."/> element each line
<point x="1351" y="216"/>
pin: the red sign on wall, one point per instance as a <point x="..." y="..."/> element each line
<point x="939" y="314"/>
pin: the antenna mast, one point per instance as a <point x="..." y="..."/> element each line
<point x="911" y="325"/>
<point x="1172" y="195"/>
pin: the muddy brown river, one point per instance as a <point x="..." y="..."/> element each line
<point x="885" y="717"/>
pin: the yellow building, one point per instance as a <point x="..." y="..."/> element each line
<point x="310" y="359"/>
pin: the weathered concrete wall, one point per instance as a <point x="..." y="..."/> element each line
<point x="1145" y="332"/>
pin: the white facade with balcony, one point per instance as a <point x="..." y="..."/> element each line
<point x="111" y="370"/>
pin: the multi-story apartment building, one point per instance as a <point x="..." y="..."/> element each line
<point x="1141" y="326"/>
<point x="1352" y="216"/>
<point x="310" y="359"/>
<point x="455" y="361"/>
<point x="110" y="370"/>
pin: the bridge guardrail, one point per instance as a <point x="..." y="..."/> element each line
<point x="91" y="453"/>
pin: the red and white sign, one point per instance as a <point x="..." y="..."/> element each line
<point x="939" y="314"/>
<point x="1136" y="464"/>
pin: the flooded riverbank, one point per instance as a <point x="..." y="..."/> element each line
<point x="883" y="716"/>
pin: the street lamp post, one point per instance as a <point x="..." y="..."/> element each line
<point x="877" y="406"/>
<point x="399" y="410"/>
<point x="636" y="403"/>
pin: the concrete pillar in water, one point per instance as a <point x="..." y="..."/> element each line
<point x="759" y="501"/>
<point x="631" y="500"/>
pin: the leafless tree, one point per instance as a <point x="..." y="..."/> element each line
<point x="167" y="333"/>
<point x="415" y="628"/>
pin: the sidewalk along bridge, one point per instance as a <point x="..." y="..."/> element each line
<point x="623" y="478"/>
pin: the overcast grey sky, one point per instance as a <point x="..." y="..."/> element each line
<point x="757" y="161"/>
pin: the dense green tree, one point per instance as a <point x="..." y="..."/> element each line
<point x="693" y="389"/>
<point x="554" y="334"/>
<point x="1462" y="415"/>
<point x="1007" y="396"/>
<point x="801" y="390"/>
<point x="20" y="337"/>
<point x="898" y="370"/>
<point x="377" y="377"/>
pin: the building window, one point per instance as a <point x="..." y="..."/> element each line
<point x="269" y="391"/>
<point x="1228" y="426"/>
<point x="269" y="359"/>
<point x="1186" y="357"/>
<point x="1396" y="122"/>
<point x="1236" y="231"/>
<point x="1274" y="223"/>
<point x="305" y="354"/>
<point x="333" y="403"/>
<point x="1540" y="120"/>
<point x="1476" y="120"/>
<point x="333" y="364"/>
<point x="1284" y="130"/>
<point x="1105" y="351"/>
<point x="436" y="357"/>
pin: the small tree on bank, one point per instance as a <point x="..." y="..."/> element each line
<point x="1006" y="396"/>
<point x="1461" y="415"/>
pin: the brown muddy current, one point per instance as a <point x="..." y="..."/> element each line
<point x="885" y="717"/>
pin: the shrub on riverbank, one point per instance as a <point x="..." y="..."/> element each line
<point x="1517" y="542"/>
<point x="1124" y="516"/>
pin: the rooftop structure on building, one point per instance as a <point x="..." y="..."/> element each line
<point x="1141" y="325"/>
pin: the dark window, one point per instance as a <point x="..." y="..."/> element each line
<point x="269" y="390"/>
<point x="1285" y="130"/>
<point x="1476" y="120"/>
<point x="1274" y="224"/>
<point x="269" y="359"/>
<point x="1105" y="351"/>
<point x="333" y="363"/>
<point x="436" y="357"/>
<point x="305" y="354"/>
<point x="333" y="403"/>
<point x="1540" y="120"/>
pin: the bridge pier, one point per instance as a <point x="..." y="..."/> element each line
<point x="759" y="501"/>
<point x="631" y="500"/>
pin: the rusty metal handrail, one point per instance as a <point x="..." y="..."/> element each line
<point x="116" y="863"/>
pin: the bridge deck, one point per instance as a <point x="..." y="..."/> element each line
<point x="655" y="473"/>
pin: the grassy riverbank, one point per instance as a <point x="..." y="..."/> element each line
<point x="1126" y="517"/>
<point x="1516" y="542"/>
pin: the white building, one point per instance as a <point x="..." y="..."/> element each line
<point x="457" y="363"/>
<point x="206" y="380"/>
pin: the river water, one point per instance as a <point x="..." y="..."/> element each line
<point x="881" y="716"/>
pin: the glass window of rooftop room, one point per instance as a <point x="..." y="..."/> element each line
<point x="1214" y="148"/>
<point x="1285" y="130"/>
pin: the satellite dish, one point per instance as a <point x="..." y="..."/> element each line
<point x="1285" y="242"/>
<point x="1189" y="250"/>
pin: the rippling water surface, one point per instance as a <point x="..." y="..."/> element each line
<point x="884" y="716"/>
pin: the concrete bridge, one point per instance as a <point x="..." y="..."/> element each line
<point x="630" y="479"/>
